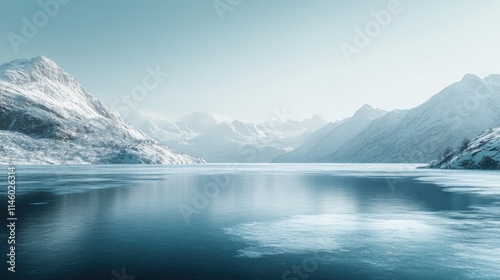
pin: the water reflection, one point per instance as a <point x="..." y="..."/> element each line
<point x="93" y="219"/>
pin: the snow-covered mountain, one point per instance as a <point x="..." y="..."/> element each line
<point x="172" y="132"/>
<point x="330" y="138"/>
<point x="234" y="142"/>
<point x="481" y="153"/>
<point x="46" y="116"/>
<point x="246" y="142"/>
<point x="462" y="110"/>
<point x="221" y="139"/>
<point x="296" y="132"/>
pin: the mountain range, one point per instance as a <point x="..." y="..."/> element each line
<point x="332" y="137"/>
<point x="46" y="116"/>
<point x="461" y="110"/>
<point x="222" y="139"/>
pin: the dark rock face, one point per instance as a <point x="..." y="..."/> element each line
<point x="489" y="163"/>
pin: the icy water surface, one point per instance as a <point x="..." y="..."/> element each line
<point x="268" y="221"/>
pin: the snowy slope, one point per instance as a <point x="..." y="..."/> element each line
<point x="462" y="110"/>
<point x="482" y="153"/>
<point x="330" y="138"/>
<point x="46" y="116"/>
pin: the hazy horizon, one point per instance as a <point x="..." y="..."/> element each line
<point x="250" y="59"/>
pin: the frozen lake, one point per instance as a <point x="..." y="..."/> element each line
<point x="255" y="221"/>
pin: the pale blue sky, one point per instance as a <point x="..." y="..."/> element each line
<point x="265" y="55"/>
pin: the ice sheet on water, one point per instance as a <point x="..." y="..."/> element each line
<point x="391" y="242"/>
<point x="471" y="181"/>
<point x="332" y="232"/>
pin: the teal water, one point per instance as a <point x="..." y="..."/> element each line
<point x="267" y="221"/>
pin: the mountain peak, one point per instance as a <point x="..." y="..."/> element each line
<point x="470" y="77"/>
<point x="43" y="63"/>
<point x="43" y="60"/>
<point x="28" y="63"/>
<point x="367" y="107"/>
<point x="314" y="122"/>
<point x="318" y="117"/>
<point x="367" y="111"/>
<point x="34" y="69"/>
<point x="364" y="109"/>
<point x="493" y="78"/>
<point x="52" y="111"/>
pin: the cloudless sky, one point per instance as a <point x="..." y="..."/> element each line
<point x="265" y="56"/>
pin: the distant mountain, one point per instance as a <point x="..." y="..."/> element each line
<point x="233" y="142"/>
<point x="332" y="137"/>
<point x="462" y="110"/>
<point x="199" y="122"/>
<point x="172" y="132"/>
<point x="483" y="152"/>
<point x="296" y="131"/>
<point x="221" y="139"/>
<point x="246" y="142"/>
<point x="46" y="116"/>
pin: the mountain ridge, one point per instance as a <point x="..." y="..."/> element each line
<point x="46" y="116"/>
<point x="418" y="135"/>
<point x="331" y="137"/>
<point x="223" y="139"/>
